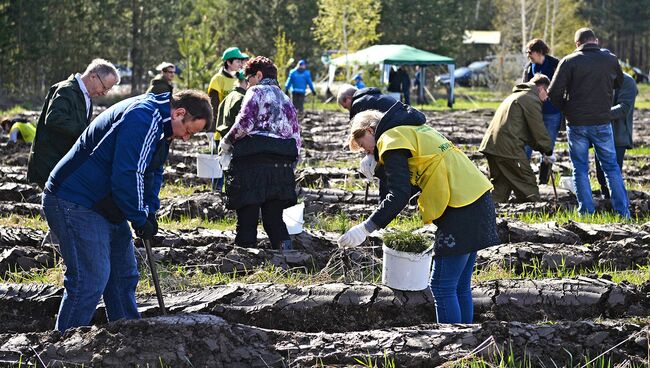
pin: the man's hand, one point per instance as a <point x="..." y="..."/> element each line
<point x="367" y="166"/>
<point x="549" y="159"/>
<point x="154" y="222"/>
<point x="224" y="147"/>
<point x="146" y="231"/>
<point x="354" y="236"/>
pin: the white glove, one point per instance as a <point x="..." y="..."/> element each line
<point x="354" y="236"/>
<point x="224" y="160"/>
<point x="549" y="159"/>
<point x="224" y="147"/>
<point x="367" y="166"/>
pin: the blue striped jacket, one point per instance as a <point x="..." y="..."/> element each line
<point x="116" y="165"/>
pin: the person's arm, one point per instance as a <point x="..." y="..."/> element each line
<point x="624" y="100"/>
<point x="214" y="101"/>
<point x="559" y="83"/>
<point x="310" y="83"/>
<point x="245" y="121"/>
<point x="618" y="82"/>
<point x="153" y="177"/>
<point x="399" y="188"/>
<point x="540" y="140"/>
<point x="136" y="141"/>
<point x="524" y="77"/>
<point x="61" y="116"/>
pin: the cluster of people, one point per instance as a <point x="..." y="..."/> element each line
<point x="99" y="176"/>
<point x="589" y="90"/>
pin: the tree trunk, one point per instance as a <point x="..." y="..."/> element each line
<point x="548" y="10"/>
<point x="136" y="52"/>
<point x="523" y="26"/>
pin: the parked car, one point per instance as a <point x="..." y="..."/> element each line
<point x="471" y="75"/>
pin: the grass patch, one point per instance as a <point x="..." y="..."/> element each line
<point x="175" y="190"/>
<point x="640" y="151"/>
<point x="564" y="216"/>
<point x="187" y="223"/>
<point x="342" y="222"/>
<point x="33" y="222"/>
<point x="535" y="271"/>
<point x="13" y="111"/>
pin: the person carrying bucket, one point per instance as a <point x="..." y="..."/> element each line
<point x="455" y="197"/>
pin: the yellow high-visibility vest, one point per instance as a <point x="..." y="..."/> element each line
<point x="27" y="131"/>
<point x="445" y="174"/>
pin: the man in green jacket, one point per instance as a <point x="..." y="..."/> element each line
<point x="517" y="122"/>
<point x="163" y="82"/>
<point x="66" y="113"/>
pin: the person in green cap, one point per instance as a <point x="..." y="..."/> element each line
<point x="224" y="81"/>
<point x="228" y="110"/>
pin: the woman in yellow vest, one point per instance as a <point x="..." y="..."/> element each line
<point x="19" y="130"/>
<point x="455" y="197"/>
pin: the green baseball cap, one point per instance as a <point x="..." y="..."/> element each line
<point x="233" y="53"/>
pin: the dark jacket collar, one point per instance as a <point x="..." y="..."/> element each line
<point x="399" y="114"/>
<point x="225" y="73"/>
<point x="588" y="47"/>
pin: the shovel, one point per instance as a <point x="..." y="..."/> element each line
<point x="154" y="276"/>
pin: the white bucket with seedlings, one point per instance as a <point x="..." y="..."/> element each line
<point x="407" y="261"/>
<point x="293" y="217"/>
<point x="208" y="166"/>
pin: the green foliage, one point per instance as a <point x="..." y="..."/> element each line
<point x="406" y="241"/>
<point x="197" y="47"/>
<point x="347" y="26"/>
<point x="284" y="49"/>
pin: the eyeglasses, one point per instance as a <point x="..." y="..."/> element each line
<point x="102" y="82"/>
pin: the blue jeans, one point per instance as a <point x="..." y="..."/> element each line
<point x="552" y="123"/>
<point x="620" y="156"/>
<point x="100" y="260"/>
<point x="602" y="138"/>
<point x="451" y="287"/>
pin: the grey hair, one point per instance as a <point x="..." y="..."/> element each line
<point x="362" y="121"/>
<point x="345" y="91"/>
<point x="102" y="68"/>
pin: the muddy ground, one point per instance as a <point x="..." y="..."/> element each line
<point x="347" y="316"/>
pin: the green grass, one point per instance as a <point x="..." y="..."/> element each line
<point x="640" y="151"/>
<point x="186" y="223"/>
<point x="13" y="111"/>
<point x="180" y="190"/>
<point x="13" y="220"/>
<point x="341" y="222"/>
<point x="535" y="271"/>
<point x="564" y="216"/>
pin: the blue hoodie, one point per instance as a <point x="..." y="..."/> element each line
<point x="298" y="81"/>
<point x="116" y="165"/>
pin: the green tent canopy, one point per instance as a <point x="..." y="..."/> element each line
<point x="394" y="55"/>
<point x="387" y="55"/>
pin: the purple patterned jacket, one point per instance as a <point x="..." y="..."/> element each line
<point x="266" y="111"/>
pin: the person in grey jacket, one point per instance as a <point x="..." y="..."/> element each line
<point x="622" y="120"/>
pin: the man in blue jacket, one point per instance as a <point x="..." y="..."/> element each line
<point x="112" y="175"/>
<point x="297" y="82"/>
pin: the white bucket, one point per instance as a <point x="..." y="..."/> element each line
<point x="293" y="218"/>
<point x="566" y="182"/>
<point x="207" y="166"/>
<point x="406" y="271"/>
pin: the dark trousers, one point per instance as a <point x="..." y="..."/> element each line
<point x="511" y="174"/>
<point x="247" y="218"/>
<point x="620" y="155"/>
<point x="298" y="101"/>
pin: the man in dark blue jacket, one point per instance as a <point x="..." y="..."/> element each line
<point x="112" y="175"/>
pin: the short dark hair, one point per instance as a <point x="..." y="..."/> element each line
<point x="261" y="64"/>
<point x="537" y="45"/>
<point x="584" y="35"/>
<point x="540" y="80"/>
<point x="196" y="103"/>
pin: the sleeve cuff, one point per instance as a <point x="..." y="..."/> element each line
<point x="370" y="226"/>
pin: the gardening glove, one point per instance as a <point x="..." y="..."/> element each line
<point x="354" y="236"/>
<point x="146" y="231"/>
<point x="224" y="147"/>
<point x="367" y="166"/>
<point x="549" y="159"/>
<point x="154" y="222"/>
<point x="224" y="160"/>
